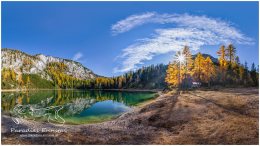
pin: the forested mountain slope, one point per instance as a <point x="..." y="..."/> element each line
<point x="21" y="70"/>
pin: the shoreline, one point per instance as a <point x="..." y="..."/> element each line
<point x="120" y="90"/>
<point x="170" y="118"/>
<point x="134" y="108"/>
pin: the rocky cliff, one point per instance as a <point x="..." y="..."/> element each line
<point x="24" y="63"/>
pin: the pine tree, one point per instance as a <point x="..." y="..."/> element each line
<point x="237" y="60"/>
<point x="246" y="77"/>
<point x="231" y="53"/>
<point x="241" y="73"/>
<point x="235" y="66"/>
<point x="253" y="74"/>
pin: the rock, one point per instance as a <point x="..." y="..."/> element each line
<point x="21" y="62"/>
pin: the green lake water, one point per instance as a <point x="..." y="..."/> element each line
<point x="70" y="106"/>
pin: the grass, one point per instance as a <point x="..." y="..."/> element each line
<point x="226" y="116"/>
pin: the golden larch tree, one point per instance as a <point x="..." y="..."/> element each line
<point x="172" y="75"/>
<point x="180" y="68"/>
<point x="28" y="81"/>
<point x="5" y="74"/>
<point x="13" y="75"/>
<point x="209" y="70"/>
<point x="20" y="79"/>
<point x="188" y="65"/>
<point x="198" y="67"/>
<point x="222" y="63"/>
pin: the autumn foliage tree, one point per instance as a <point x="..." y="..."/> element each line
<point x="20" y="80"/>
<point x="28" y="82"/>
<point x="198" y="67"/>
<point x="227" y="71"/>
<point x="172" y="74"/>
<point x="222" y="63"/>
<point x="179" y="71"/>
<point x="209" y="70"/>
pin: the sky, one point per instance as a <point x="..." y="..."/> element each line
<point x="112" y="38"/>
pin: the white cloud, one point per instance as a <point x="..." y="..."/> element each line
<point x="77" y="56"/>
<point x="190" y="30"/>
<point x="131" y="22"/>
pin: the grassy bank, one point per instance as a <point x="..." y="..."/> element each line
<point x="228" y="116"/>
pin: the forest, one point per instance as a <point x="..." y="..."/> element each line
<point x="228" y="71"/>
<point x="184" y="69"/>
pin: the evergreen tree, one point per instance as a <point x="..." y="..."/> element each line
<point x="241" y="73"/>
<point x="231" y="53"/>
<point x="236" y="66"/>
<point x="246" y="77"/>
<point x="253" y="74"/>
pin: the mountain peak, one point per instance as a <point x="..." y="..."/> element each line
<point x="214" y="60"/>
<point x="22" y="62"/>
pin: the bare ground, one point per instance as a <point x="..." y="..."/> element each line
<point x="227" y="116"/>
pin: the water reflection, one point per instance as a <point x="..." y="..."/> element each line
<point x="45" y="104"/>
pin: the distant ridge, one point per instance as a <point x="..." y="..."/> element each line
<point x="22" y="62"/>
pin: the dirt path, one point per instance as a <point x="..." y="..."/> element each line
<point x="229" y="116"/>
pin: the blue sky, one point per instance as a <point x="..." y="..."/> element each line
<point x="113" y="37"/>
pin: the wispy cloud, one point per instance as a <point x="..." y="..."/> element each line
<point x="131" y="22"/>
<point x="77" y="56"/>
<point x="193" y="31"/>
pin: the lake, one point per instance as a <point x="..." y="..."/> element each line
<point x="70" y="106"/>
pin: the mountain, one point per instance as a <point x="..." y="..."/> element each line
<point x="150" y="77"/>
<point x="24" y="63"/>
<point x="214" y="60"/>
<point x="147" y="77"/>
<point x="21" y="70"/>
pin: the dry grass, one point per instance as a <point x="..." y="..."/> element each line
<point x="228" y="116"/>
